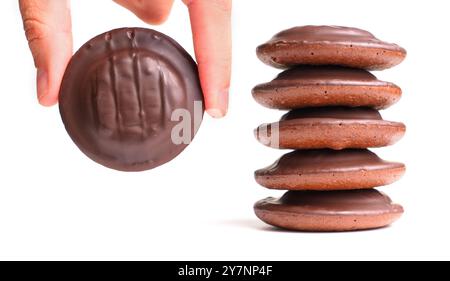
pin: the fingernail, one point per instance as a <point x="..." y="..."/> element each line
<point x="41" y="83"/>
<point x="220" y="107"/>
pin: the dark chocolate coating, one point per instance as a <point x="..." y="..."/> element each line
<point x="326" y="75"/>
<point x="343" y="202"/>
<point x="326" y="161"/>
<point x="332" y="35"/>
<point x="337" y="112"/>
<point x="118" y="95"/>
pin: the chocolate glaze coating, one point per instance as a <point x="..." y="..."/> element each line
<point x="332" y="35"/>
<point x="325" y="75"/>
<point x="118" y="95"/>
<point x="337" y="112"/>
<point x="344" y="202"/>
<point x="327" y="160"/>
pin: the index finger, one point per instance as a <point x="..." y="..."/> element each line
<point x="211" y="29"/>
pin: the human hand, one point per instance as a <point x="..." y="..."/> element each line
<point x="47" y="25"/>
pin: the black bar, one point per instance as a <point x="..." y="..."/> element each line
<point x="209" y="270"/>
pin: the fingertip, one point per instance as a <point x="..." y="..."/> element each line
<point x="215" y="113"/>
<point x="157" y="18"/>
<point x="217" y="104"/>
<point x="47" y="101"/>
<point x="45" y="94"/>
<point x="153" y="12"/>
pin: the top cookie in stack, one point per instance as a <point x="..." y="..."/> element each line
<point x="334" y="102"/>
<point x="329" y="45"/>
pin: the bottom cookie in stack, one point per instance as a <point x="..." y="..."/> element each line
<point x="342" y="210"/>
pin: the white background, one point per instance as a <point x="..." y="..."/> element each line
<point x="55" y="203"/>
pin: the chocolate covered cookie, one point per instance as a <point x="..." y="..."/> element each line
<point x="330" y="127"/>
<point x="329" y="45"/>
<point x="333" y="101"/>
<point x="329" y="211"/>
<point x="327" y="169"/>
<point x="312" y="86"/>
<point x="119" y="93"/>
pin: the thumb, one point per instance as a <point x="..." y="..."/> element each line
<point x="47" y="27"/>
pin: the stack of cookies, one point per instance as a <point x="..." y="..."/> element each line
<point x="333" y="101"/>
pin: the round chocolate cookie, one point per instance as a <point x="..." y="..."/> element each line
<point x="329" y="45"/>
<point x="329" y="211"/>
<point x="119" y="93"/>
<point x="309" y="86"/>
<point x="327" y="169"/>
<point x="330" y="127"/>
